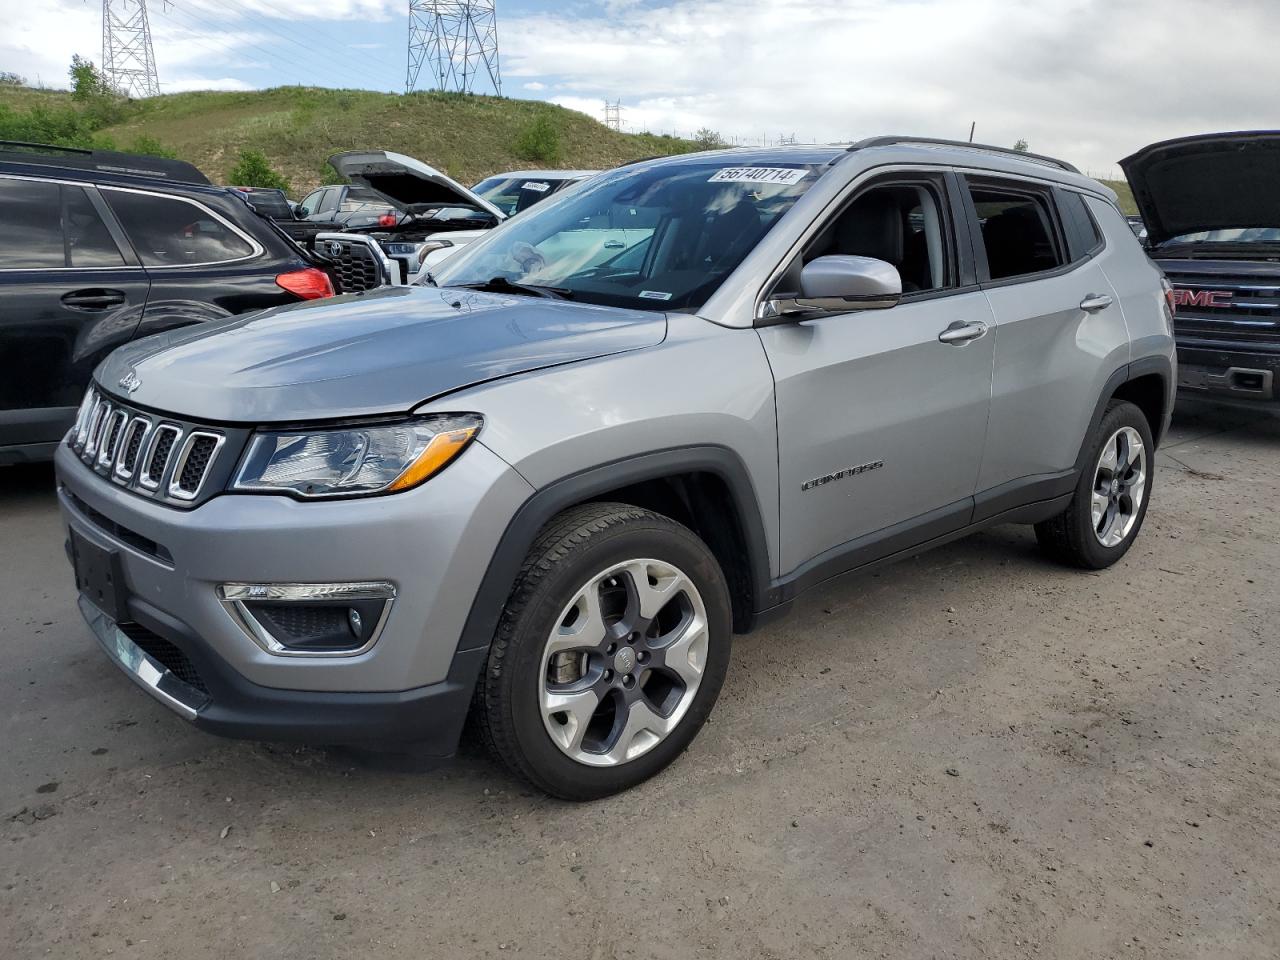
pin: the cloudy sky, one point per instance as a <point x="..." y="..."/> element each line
<point x="1088" y="80"/>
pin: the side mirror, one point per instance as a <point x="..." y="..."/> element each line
<point x="304" y="212"/>
<point x="840" y="283"/>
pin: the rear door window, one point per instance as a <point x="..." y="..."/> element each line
<point x="30" y="235"/>
<point x="1018" y="229"/>
<point x="89" y="242"/>
<point x="169" y="232"/>
<point x="50" y="226"/>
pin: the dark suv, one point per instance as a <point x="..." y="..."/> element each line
<point x="98" y="248"/>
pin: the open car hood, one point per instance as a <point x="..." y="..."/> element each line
<point x="1217" y="181"/>
<point x="403" y="180"/>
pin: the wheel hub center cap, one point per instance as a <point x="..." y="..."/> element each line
<point x="1115" y="487"/>
<point x="624" y="661"/>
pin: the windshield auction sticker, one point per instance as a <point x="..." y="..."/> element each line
<point x="535" y="186"/>
<point x="758" y="175"/>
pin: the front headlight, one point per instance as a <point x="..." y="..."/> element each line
<point x="356" y="460"/>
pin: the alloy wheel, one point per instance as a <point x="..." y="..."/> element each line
<point x="623" y="662"/>
<point x="1119" y="486"/>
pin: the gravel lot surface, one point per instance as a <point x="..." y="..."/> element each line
<point x="971" y="754"/>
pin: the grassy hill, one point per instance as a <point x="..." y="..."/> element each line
<point x="469" y="137"/>
<point x="296" y="128"/>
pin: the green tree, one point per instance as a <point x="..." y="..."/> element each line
<point x="1022" y="146"/>
<point x="539" y="141"/>
<point x="87" y="82"/>
<point x="10" y="79"/>
<point x="253" y="170"/>
<point x="708" y="139"/>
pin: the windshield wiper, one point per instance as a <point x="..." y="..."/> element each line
<point x="504" y="285"/>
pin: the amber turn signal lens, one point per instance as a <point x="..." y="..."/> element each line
<point x="435" y="457"/>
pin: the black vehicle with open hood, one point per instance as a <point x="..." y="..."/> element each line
<point x="1211" y="205"/>
<point x="407" y="206"/>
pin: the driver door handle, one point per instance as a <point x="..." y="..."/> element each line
<point x="94" y="299"/>
<point x="1095" y="302"/>
<point x="960" y="333"/>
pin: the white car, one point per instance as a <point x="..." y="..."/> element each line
<point x="509" y="192"/>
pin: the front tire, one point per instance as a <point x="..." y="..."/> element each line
<point x="1111" y="497"/>
<point x="610" y="652"/>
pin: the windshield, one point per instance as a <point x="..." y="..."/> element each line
<point x="513" y="194"/>
<point x="661" y="237"/>
<point x="1245" y="235"/>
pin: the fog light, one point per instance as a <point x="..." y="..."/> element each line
<point x="310" y="619"/>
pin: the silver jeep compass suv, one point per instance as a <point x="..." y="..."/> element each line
<point x="641" y="417"/>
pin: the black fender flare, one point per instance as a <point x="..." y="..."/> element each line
<point x="547" y="502"/>
<point x="1144" y="366"/>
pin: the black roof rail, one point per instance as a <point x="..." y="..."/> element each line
<point x="980" y="147"/>
<point x="104" y="161"/>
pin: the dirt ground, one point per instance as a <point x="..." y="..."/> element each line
<point x="971" y="754"/>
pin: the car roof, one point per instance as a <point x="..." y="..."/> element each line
<point x="110" y="162"/>
<point x="545" y="174"/>
<point x="902" y="149"/>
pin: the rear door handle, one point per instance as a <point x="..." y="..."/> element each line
<point x="960" y="333"/>
<point x="93" y="299"/>
<point x="1095" y="302"/>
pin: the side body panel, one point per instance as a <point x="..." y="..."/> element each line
<point x="49" y="348"/>
<point x="875" y="393"/>
<point x="1052" y="362"/>
<point x="1136" y="281"/>
<point x="703" y="386"/>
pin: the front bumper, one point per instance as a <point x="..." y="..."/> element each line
<point x="434" y="543"/>
<point x="167" y="660"/>
<point x="1227" y="372"/>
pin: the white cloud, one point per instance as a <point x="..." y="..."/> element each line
<point x="535" y="85"/>
<point x="182" y="84"/>
<point x="1088" y="80"/>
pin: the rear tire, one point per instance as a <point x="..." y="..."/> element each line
<point x="610" y="652"/>
<point x="1111" y="497"/>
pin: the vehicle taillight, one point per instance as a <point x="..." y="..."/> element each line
<point x="387" y="220"/>
<point x="309" y="284"/>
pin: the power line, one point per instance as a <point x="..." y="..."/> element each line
<point x="214" y="29"/>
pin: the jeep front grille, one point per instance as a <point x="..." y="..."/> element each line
<point x="149" y="454"/>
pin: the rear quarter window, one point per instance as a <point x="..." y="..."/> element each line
<point x="1083" y="236"/>
<point x="169" y="232"/>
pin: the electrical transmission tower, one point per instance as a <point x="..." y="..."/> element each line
<point x="457" y="41"/>
<point x="128" y="62"/>
<point x="613" y="115"/>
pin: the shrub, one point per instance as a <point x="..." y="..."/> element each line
<point x="253" y="170"/>
<point x="61" y="127"/>
<point x="10" y="79"/>
<point x="708" y="139"/>
<point x="330" y="176"/>
<point x="539" y="141"/>
<point x="151" y="147"/>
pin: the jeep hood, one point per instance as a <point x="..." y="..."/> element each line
<point x="402" y="180"/>
<point x="382" y="352"/>
<point x="1217" y="181"/>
